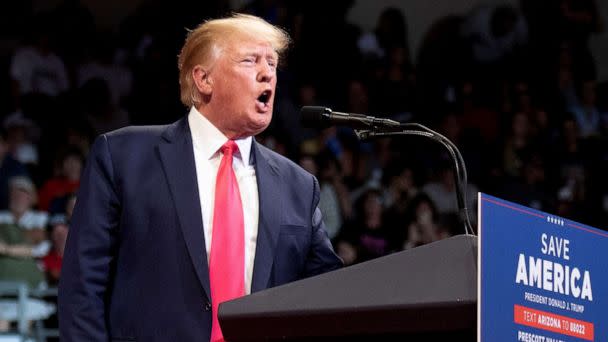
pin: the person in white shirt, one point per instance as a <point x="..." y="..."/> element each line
<point x="37" y="69"/>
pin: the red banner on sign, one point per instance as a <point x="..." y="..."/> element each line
<point x="552" y="322"/>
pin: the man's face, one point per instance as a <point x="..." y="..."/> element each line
<point x="72" y="167"/>
<point x="20" y="200"/>
<point x="243" y="87"/>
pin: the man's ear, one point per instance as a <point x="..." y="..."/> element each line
<point x="202" y="81"/>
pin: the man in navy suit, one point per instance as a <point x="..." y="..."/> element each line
<point x="150" y="209"/>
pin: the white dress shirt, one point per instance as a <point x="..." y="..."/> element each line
<point x="207" y="140"/>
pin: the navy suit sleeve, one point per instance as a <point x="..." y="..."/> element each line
<point x="322" y="257"/>
<point x="90" y="250"/>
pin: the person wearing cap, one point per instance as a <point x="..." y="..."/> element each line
<point x="170" y="221"/>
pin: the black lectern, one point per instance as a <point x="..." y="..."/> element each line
<point x="425" y="292"/>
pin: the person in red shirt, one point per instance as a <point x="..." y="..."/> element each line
<point x="65" y="182"/>
<point x="52" y="261"/>
<point x="59" y="221"/>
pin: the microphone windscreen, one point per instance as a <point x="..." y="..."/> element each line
<point x="315" y="116"/>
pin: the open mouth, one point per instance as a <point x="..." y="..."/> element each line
<point x="265" y="97"/>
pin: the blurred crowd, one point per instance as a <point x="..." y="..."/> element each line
<point x="515" y="88"/>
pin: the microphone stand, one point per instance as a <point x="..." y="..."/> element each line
<point x="460" y="174"/>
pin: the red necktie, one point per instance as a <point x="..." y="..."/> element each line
<point x="227" y="260"/>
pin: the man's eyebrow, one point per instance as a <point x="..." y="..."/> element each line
<point x="248" y="53"/>
<point x="253" y="52"/>
<point x="273" y="55"/>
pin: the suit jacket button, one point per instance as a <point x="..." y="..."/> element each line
<point x="207" y="306"/>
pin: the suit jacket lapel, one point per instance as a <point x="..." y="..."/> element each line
<point x="177" y="157"/>
<point x="269" y="223"/>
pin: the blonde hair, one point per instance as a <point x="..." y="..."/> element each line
<point x="206" y="41"/>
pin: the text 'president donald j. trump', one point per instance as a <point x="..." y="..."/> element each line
<point x="172" y="220"/>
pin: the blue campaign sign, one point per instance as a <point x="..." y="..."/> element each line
<point x="542" y="278"/>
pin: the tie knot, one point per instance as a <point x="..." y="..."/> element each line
<point x="229" y="147"/>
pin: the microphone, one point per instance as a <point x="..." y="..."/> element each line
<point x="316" y="116"/>
<point x="367" y="127"/>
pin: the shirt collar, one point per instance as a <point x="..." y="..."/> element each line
<point x="208" y="139"/>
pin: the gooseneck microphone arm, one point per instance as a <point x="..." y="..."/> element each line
<point x="367" y="127"/>
<point x="460" y="171"/>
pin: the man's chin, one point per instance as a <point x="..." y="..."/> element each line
<point x="254" y="128"/>
<point x="262" y="122"/>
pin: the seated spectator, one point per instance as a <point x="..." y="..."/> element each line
<point x="399" y="186"/>
<point x="60" y="211"/>
<point x="66" y="181"/>
<point x="21" y="134"/>
<point x="20" y="249"/>
<point x="9" y="168"/>
<point x="334" y="200"/>
<point x="585" y="111"/>
<point x="423" y="224"/>
<point x="495" y="32"/>
<point x="35" y="68"/>
<point x="366" y="237"/>
<point x="102" y="65"/>
<point x="21" y="214"/>
<point x="391" y="30"/>
<point x="399" y="190"/>
<point x="443" y="192"/>
<point x="60" y="216"/>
